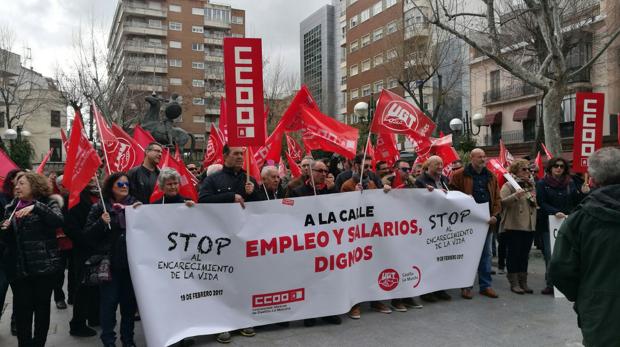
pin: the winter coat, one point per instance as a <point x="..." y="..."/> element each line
<point x="426" y="180"/>
<point x="142" y="183"/>
<point x="307" y="190"/>
<point x="552" y="200"/>
<point x="177" y="199"/>
<point x="31" y="248"/>
<point x="584" y="265"/>
<point x="350" y="184"/>
<point x="262" y="193"/>
<point x="346" y="175"/>
<point x="463" y="181"/>
<point x="109" y="240"/>
<point x="517" y="213"/>
<point x="222" y="186"/>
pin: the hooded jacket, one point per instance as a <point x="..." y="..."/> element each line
<point x="584" y="265"/>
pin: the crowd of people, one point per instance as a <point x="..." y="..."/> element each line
<point x="42" y="239"/>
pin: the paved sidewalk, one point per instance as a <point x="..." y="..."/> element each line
<point x="511" y="320"/>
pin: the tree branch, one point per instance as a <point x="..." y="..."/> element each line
<point x="545" y="64"/>
<point x="598" y="55"/>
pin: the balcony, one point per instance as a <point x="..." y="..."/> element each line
<point x="214" y="41"/>
<point x="509" y="93"/>
<point x="211" y="110"/>
<point x="146" y="47"/>
<point x="214" y="58"/>
<point x="417" y="30"/>
<point x="141" y="10"/>
<point x="218" y="76"/>
<point x="217" y="24"/>
<point x="141" y="28"/>
<point x="144" y="83"/>
<point x="153" y="66"/>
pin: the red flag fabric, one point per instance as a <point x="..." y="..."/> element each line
<point x="441" y="134"/>
<point x="187" y="186"/>
<point x="547" y="153"/>
<point x="397" y="183"/>
<point x="6" y="165"/>
<point x="394" y="115"/>
<point x="272" y="148"/>
<point x="291" y="119"/>
<point x="495" y="166"/>
<point x="370" y="153"/>
<point x="82" y="162"/>
<point x="254" y="169"/>
<point x="214" y="153"/>
<point x="142" y="137"/>
<point x="295" y="169"/>
<point x="386" y="149"/>
<point x="44" y="161"/>
<point x="63" y="137"/>
<point x="129" y="154"/>
<point x="108" y="140"/>
<point x="539" y="163"/>
<point x="294" y="149"/>
<point x="281" y="169"/>
<point x="505" y="158"/>
<point x="177" y="153"/>
<point x="325" y="133"/>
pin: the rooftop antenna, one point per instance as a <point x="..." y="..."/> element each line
<point x="28" y="57"/>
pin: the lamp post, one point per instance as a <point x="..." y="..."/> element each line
<point x="466" y="128"/>
<point x="362" y="109"/>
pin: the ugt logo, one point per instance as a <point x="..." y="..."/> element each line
<point x="388" y="279"/>
<point x="398" y="117"/>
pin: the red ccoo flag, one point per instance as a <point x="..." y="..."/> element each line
<point x="326" y="133"/>
<point x="44" y="161"/>
<point x="82" y="162"/>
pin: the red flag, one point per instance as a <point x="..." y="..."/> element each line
<point x="6" y="165"/>
<point x="397" y="183"/>
<point x="295" y="169"/>
<point x="495" y="166"/>
<point x="505" y="158"/>
<point x="214" y="153"/>
<point x="187" y="185"/>
<point x="108" y="140"/>
<point x="294" y="149"/>
<point x="539" y="163"/>
<point x="291" y="119"/>
<point x="588" y="135"/>
<point x="394" y="115"/>
<point x="129" y="154"/>
<point x="441" y="134"/>
<point x="254" y="170"/>
<point x="547" y="153"/>
<point x="44" y="161"/>
<point x="82" y="162"/>
<point x="370" y="153"/>
<point x="386" y="149"/>
<point x="272" y="148"/>
<point x="177" y="153"/>
<point x="281" y="168"/>
<point x="325" y="133"/>
<point x="142" y="137"/>
<point x="63" y="137"/>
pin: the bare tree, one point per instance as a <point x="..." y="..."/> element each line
<point x="278" y="85"/>
<point x="534" y="40"/>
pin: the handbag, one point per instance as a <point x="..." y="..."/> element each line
<point x="97" y="270"/>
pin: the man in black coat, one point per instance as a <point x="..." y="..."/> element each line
<point x="142" y="179"/>
<point x="271" y="188"/>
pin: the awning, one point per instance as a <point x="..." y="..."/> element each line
<point x="524" y="113"/>
<point x="492" y="118"/>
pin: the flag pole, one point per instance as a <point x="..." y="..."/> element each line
<point x="265" y="189"/>
<point x="101" y="197"/>
<point x="370" y="109"/>
<point x="247" y="172"/>
<point x="312" y="178"/>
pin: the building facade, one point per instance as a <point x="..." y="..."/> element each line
<point x="512" y="109"/>
<point x="175" y="47"/>
<point x="318" y="57"/>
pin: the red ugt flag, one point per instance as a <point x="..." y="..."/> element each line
<point x="82" y="162"/>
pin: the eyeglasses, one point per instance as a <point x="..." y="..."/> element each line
<point x="556" y="166"/>
<point x="321" y="171"/>
<point x="405" y="169"/>
<point x="366" y="166"/>
<point x="122" y="184"/>
<point x="192" y="168"/>
<point x="383" y="168"/>
<point x="526" y="169"/>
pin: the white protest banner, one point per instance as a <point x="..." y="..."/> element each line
<point x="218" y="267"/>
<point x="554" y="226"/>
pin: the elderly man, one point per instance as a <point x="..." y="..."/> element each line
<point x="270" y="189"/>
<point x="475" y="180"/>
<point x="305" y="174"/>
<point x="584" y="264"/>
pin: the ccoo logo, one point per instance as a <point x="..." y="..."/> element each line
<point x="388" y="279"/>
<point x="397" y="116"/>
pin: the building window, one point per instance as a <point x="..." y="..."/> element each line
<point x="198" y="83"/>
<point x="392" y="27"/>
<point x="377" y="34"/>
<point x="354" y="94"/>
<point x="56" y="147"/>
<point x="175" y="62"/>
<point x="155" y="23"/>
<point x="568" y="108"/>
<point x="365" y="40"/>
<point x="390" y="3"/>
<point x="377" y="8"/>
<point x="353" y="22"/>
<point x="391" y="54"/>
<point x="217" y="15"/>
<point x="174" y="44"/>
<point x="198" y="11"/>
<point x="378" y="59"/>
<point x="364" y="15"/>
<point x="176" y="26"/>
<point x="198" y="29"/>
<point x="198" y="47"/>
<point x="494" y="76"/>
<point x="54" y="117"/>
<point x="237" y="20"/>
<point x="176" y="81"/>
<point x="198" y="101"/>
<point x="353" y="70"/>
<point x="198" y="65"/>
<point x="378" y="86"/>
<point x="366" y="90"/>
<point x="366" y="65"/>
<point x="354" y="46"/>
<point x="198" y="119"/>
<point x="174" y="8"/>
<point x="393" y="83"/>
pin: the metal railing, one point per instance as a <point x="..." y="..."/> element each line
<point x="508" y="93"/>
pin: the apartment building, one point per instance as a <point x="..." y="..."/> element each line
<point x="175" y="46"/>
<point x="511" y="109"/>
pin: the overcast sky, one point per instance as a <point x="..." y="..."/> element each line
<point x="48" y="27"/>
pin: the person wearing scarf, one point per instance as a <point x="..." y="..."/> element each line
<point x="32" y="261"/>
<point x="557" y="195"/>
<point x="169" y="181"/>
<point x="105" y="229"/>
<point x="518" y="224"/>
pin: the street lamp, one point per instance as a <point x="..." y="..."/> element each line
<point x="456" y="124"/>
<point x="10" y="134"/>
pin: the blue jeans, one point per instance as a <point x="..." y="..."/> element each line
<point x="118" y="291"/>
<point x="484" y="267"/>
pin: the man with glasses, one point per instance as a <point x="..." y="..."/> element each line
<point x="142" y="179"/>
<point x="348" y="173"/>
<point x="382" y="169"/>
<point x="366" y="183"/>
<point x="404" y="170"/>
<point x="476" y="180"/>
